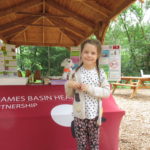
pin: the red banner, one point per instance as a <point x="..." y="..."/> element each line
<point x="36" y="117"/>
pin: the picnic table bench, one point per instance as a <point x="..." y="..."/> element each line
<point x="134" y="83"/>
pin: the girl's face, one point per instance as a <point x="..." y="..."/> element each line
<point x="89" y="55"/>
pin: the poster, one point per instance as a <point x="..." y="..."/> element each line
<point x="111" y="61"/>
<point x="8" y="63"/>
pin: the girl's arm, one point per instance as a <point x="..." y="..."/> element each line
<point x="103" y="91"/>
<point x="70" y="86"/>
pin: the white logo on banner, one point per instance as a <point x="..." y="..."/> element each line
<point x="62" y="114"/>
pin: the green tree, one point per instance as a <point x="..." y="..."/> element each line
<point x="41" y="58"/>
<point x="133" y="34"/>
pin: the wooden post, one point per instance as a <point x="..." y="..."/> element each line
<point x="48" y="61"/>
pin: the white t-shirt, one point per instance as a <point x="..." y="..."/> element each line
<point x="91" y="103"/>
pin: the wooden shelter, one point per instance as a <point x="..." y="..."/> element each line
<point x="56" y="22"/>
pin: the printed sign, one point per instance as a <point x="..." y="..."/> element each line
<point x="111" y="61"/>
<point x="8" y="60"/>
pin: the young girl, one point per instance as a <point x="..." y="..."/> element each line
<point x="88" y="84"/>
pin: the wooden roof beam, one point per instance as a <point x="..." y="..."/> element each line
<point x="104" y="32"/>
<point x="17" y="22"/>
<point x="25" y="37"/>
<point x="42" y="14"/>
<point x="97" y="7"/>
<point x="19" y="7"/>
<point x="55" y="23"/>
<point x="71" y="35"/>
<point x="60" y="37"/>
<point x="12" y="32"/>
<point x="19" y="32"/>
<point x="38" y="43"/>
<point x="44" y="9"/>
<point x="125" y="5"/>
<point x="43" y="31"/>
<point x="2" y="38"/>
<point x="59" y="21"/>
<point x="70" y="13"/>
<point x="41" y="25"/>
<point x="100" y="30"/>
<point x="29" y="21"/>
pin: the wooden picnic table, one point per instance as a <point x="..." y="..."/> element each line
<point x="134" y="83"/>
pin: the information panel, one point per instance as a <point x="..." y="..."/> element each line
<point x="8" y="63"/>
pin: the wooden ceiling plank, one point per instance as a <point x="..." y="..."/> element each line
<point x="19" y="7"/>
<point x="67" y="25"/>
<point x="29" y="13"/>
<point x="17" y="22"/>
<point x="98" y="27"/>
<point x="96" y="7"/>
<point x="87" y="36"/>
<point x="12" y="32"/>
<point x="61" y="30"/>
<point x="70" y="13"/>
<point x="56" y="16"/>
<point x="71" y="34"/>
<point x="29" y="21"/>
<point x="72" y="38"/>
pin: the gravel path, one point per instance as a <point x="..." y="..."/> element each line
<point x="135" y="125"/>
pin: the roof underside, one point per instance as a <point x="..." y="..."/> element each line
<point x="56" y="22"/>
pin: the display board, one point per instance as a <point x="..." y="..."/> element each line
<point x="110" y="60"/>
<point x="8" y="63"/>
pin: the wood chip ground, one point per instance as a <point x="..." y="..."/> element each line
<point x="135" y="125"/>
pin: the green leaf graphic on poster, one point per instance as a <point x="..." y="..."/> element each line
<point x="8" y="63"/>
<point x="75" y="53"/>
<point x="106" y="69"/>
<point x="14" y="57"/>
<point x="5" y="53"/>
<point x="3" y="48"/>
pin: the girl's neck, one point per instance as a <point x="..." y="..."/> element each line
<point x="89" y="67"/>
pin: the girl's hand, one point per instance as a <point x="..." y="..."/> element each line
<point x="74" y="84"/>
<point x="84" y="87"/>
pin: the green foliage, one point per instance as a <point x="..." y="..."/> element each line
<point x="133" y="34"/>
<point x="46" y="59"/>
